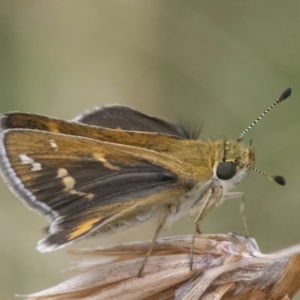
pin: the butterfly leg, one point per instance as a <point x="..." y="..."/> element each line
<point x="241" y="195"/>
<point x="197" y="226"/>
<point x="157" y="232"/>
<point x="215" y="193"/>
<point x="242" y="211"/>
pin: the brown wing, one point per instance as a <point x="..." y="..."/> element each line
<point x="81" y="184"/>
<point x="151" y="140"/>
<point x="129" y="119"/>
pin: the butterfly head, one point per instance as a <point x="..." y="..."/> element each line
<point x="233" y="161"/>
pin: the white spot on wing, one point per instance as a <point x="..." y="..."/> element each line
<point x="53" y="145"/>
<point x="36" y="167"/>
<point x="62" y="173"/>
<point x="69" y="183"/>
<point x="27" y="160"/>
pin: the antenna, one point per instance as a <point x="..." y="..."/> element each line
<point x="278" y="179"/>
<point x="282" y="97"/>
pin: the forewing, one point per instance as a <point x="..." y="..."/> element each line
<point x="80" y="183"/>
<point x="126" y="118"/>
<point x="149" y="140"/>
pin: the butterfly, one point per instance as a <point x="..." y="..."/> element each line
<point x="114" y="168"/>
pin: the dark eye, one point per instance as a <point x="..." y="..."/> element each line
<point x="226" y="170"/>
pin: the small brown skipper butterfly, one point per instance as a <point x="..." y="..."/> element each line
<point x="114" y="168"/>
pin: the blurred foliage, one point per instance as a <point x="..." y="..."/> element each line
<point x="216" y="62"/>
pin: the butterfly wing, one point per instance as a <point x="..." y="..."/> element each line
<point x="129" y="119"/>
<point x="112" y="117"/>
<point x="81" y="184"/>
<point x="150" y="140"/>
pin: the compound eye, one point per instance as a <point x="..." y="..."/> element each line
<point x="226" y="170"/>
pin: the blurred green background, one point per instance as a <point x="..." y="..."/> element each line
<point x="216" y="62"/>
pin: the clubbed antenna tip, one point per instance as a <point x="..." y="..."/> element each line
<point x="279" y="179"/>
<point x="282" y="97"/>
<point x="286" y="94"/>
